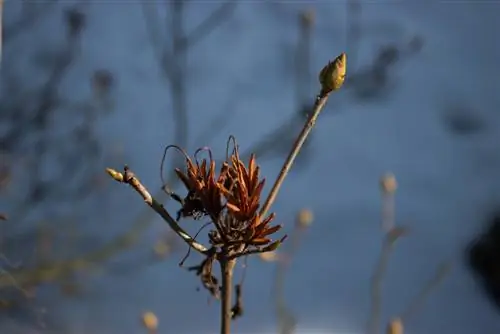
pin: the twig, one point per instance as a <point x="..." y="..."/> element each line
<point x="418" y="301"/>
<point x="331" y="77"/>
<point x="210" y="23"/>
<point x="318" y="106"/>
<point x="286" y="320"/>
<point x="353" y="32"/>
<point x="378" y="276"/>
<point x="376" y="287"/>
<point x="128" y="177"/>
<point x="388" y="186"/>
<point x="227" y="269"/>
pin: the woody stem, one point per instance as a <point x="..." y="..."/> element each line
<point x="297" y="146"/>
<point x="227" y="268"/>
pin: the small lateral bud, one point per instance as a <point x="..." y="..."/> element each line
<point x="115" y="175"/>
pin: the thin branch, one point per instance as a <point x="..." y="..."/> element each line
<point x="353" y="31"/>
<point x="378" y="277"/>
<point x="318" y="106"/>
<point x="442" y="271"/>
<point x="376" y="287"/>
<point x="286" y="319"/>
<point x="128" y="177"/>
<point x="210" y="23"/>
<point x="331" y="78"/>
<point x="392" y="233"/>
<point x="162" y="54"/>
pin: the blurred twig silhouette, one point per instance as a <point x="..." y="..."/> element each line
<point x="392" y="233"/>
<point x="174" y="68"/>
<point x="286" y="319"/>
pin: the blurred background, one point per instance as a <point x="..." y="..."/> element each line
<point x="87" y="85"/>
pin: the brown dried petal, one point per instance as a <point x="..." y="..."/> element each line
<point x="256" y="222"/>
<point x="260" y="241"/>
<point x="184" y="179"/>
<point x="251" y="165"/>
<point x="270" y="230"/>
<point x="233" y="208"/>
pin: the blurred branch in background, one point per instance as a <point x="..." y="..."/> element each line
<point x="31" y="12"/>
<point x="1" y="29"/>
<point x="367" y="83"/>
<point x="31" y="140"/>
<point x="280" y="139"/>
<point x="393" y="232"/>
<point x="353" y="35"/>
<point x="51" y="270"/>
<point x="287" y="321"/>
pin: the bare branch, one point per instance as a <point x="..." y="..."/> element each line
<point x="128" y="177"/>
<point x="215" y="19"/>
<point x="442" y="271"/>
<point x="331" y="77"/>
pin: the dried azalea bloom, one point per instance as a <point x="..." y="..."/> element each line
<point x="242" y="224"/>
<point x="231" y="198"/>
<point x="243" y="200"/>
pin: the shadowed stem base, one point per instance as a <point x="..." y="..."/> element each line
<point x="227" y="269"/>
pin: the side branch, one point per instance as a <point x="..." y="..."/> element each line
<point x="129" y="178"/>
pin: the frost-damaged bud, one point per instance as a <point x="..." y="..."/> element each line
<point x="332" y="76"/>
<point x="388" y="184"/>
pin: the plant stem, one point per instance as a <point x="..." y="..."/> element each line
<point x="227" y="268"/>
<point x="297" y="146"/>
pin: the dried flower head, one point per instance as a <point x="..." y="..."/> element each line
<point x="231" y="198"/>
